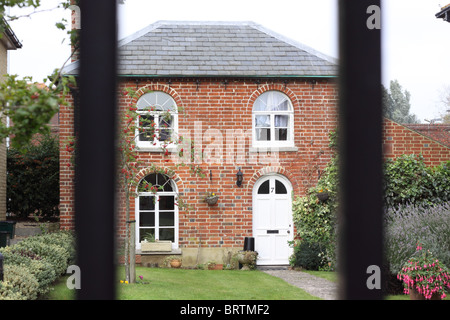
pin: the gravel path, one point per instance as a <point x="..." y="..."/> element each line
<point x="315" y="286"/>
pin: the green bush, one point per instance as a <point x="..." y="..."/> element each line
<point x="308" y="256"/>
<point x="409" y="181"/>
<point x="43" y="258"/>
<point x="33" y="179"/>
<point x="54" y="254"/>
<point x="41" y="269"/>
<point x="22" y="281"/>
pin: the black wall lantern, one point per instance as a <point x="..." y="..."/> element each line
<point x="239" y="178"/>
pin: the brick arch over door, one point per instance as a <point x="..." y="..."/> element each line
<point x="272" y="170"/>
<point x="276" y="87"/>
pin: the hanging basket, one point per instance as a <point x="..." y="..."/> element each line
<point x="212" y="200"/>
<point x="323" y="196"/>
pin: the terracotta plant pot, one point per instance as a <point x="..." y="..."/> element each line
<point x="414" y="295"/>
<point x="175" y="263"/>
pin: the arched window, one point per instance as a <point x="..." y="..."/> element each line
<point x="156" y="210"/>
<point x="159" y="117"/>
<point x="273" y="120"/>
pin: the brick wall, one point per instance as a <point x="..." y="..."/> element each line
<point x="437" y="131"/>
<point x="398" y="140"/>
<point x="222" y="111"/>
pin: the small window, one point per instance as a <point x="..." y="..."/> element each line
<point x="273" y="120"/>
<point x="264" y="188"/>
<point x="280" y="188"/>
<point x="157" y="120"/>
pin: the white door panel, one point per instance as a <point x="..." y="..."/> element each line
<point x="272" y="220"/>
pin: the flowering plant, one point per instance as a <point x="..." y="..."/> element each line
<point x="425" y="274"/>
<point x="210" y="195"/>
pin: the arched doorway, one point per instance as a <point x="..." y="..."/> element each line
<point x="272" y="220"/>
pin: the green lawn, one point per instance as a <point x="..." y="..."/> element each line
<point x="183" y="284"/>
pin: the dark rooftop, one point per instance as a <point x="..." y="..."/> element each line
<point x="180" y="48"/>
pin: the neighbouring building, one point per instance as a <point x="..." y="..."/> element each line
<point x="8" y="41"/>
<point x="253" y="102"/>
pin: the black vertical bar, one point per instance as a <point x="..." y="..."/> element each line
<point x="360" y="133"/>
<point x="95" y="167"/>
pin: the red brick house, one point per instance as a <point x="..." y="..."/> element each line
<point x="254" y="103"/>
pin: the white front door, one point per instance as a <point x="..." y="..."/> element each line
<point x="272" y="220"/>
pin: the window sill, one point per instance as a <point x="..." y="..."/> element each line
<point x="173" y="252"/>
<point x="155" y="149"/>
<point x="272" y="149"/>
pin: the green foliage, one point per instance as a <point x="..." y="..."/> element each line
<point x="314" y="219"/>
<point x="30" y="107"/>
<point x="409" y="180"/>
<point x="33" y="264"/>
<point x="33" y="179"/>
<point x="397" y="104"/>
<point x="308" y="256"/>
<point x="22" y="282"/>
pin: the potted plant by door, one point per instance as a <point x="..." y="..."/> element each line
<point x="211" y="198"/>
<point x="247" y="259"/>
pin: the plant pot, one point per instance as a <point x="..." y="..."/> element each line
<point x="212" y="200"/>
<point x="246" y="258"/>
<point x="175" y="263"/>
<point x="323" y="196"/>
<point x="215" y="266"/>
<point x="414" y="295"/>
<point x="157" y="246"/>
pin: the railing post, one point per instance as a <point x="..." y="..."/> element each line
<point x="95" y="160"/>
<point x="360" y="150"/>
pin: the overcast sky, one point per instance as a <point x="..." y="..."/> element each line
<point x="416" y="49"/>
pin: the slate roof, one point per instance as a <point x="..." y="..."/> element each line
<point x="180" y="48"/>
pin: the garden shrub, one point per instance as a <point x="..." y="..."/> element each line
<point x="43" y="258"/>
<point x="308" y="256"/>
<point x="41" y="269"/>
<point x="55" y="254"/>
<point x="8" y="292"/>
<point x="409" y="225"/>
<point x="409" y="180"/>
<point x="315" y="220"/>
<point x="33" y="179"/>
<point x="22" y="281"/>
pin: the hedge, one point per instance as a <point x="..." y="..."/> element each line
<point x="32" y="265"/>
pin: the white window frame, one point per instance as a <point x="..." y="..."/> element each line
<point x="274" y="144"/>
<point x="174" y="193"/>
<point x="156" y="145"/>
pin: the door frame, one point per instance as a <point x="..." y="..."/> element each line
<point x="287" y="183"/>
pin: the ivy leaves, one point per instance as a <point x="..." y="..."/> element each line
<point x="29" y="106"/>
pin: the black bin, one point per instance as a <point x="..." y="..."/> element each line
<point x="4" y="236"/>
<point x="8" y="226"/>
<point x="249" y="244"/>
